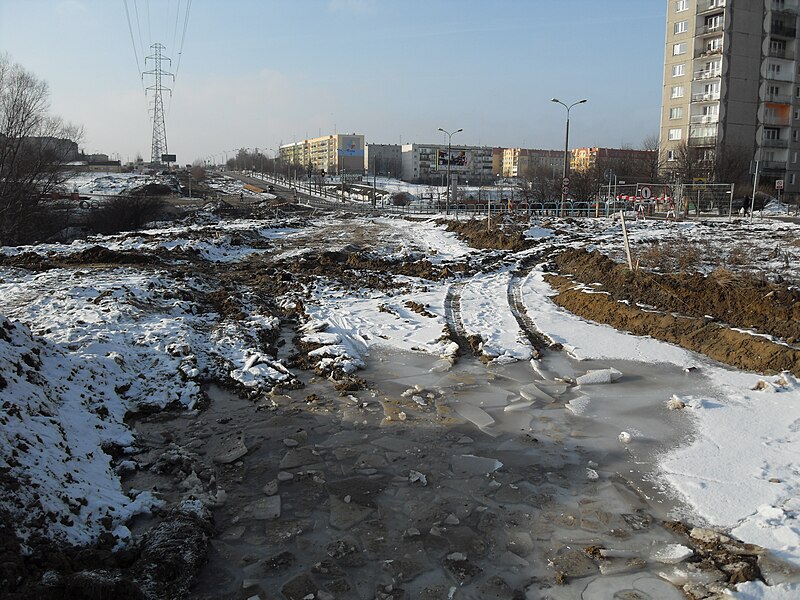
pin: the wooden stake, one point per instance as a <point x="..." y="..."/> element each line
<point x="627" y="243"/>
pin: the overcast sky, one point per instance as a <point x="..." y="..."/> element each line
<point x="257" y="73"/>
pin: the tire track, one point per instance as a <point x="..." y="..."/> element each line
<point x="452" y="312"/>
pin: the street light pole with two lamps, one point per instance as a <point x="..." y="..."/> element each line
<point x="449" y="160"/>
<point x="565" y="180"/>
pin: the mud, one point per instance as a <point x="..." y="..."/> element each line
<point x="739" y="300"/>
<point x="682" y="309"/>
<point x="499" y="235"/>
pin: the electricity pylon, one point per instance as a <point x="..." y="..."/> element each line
<point x="159" y="146"/>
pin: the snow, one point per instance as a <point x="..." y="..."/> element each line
<point x="98" y="329"/>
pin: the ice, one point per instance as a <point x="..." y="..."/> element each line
<point x="474" y="465"/>
<point x="636" y="585"/>
<point x="671" y="554"/>
<point x="519" y="405"/>
<point x="578" y="405"/>
<point x="533" y="392"/>
<point x="597" y="376"/>
<point x="474" y="414"/>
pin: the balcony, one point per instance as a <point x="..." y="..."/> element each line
<point x="713" y="74"/>
<point x="779" y="76"/>
<point x="778" y="98"/>
<point x="705" y="97"/>
<point x="775" y="143"/>
<point x="697" y="142"/>
<point x="709" y="29"/>
<point x="783" y="53"/>
<point x="785" y="6"/>
<point x="703" y="119"/>
<point x="705" y="52"/>
<point x="705" y="6"/>
<point x="783" y="30"/>
<point x="772" y="165"/>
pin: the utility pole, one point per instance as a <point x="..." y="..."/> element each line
<point x="159" y="145"/>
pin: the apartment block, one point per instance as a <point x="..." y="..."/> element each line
<point x="428" y="163"/>
<point x="519" y="162"/>
<point x="383" y="159"/>
<point x="334" y="154"/>
<point x="731" y="86"/>
<point x="586" y="159"/>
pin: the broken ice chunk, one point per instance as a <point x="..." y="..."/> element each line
<point x="519" y="405"/>
<point x="578" y="405"/>
<point x="596" y="376"/>
<point x="474" y="465"/>
<point x="625" y="437"/>
<point x="414" y="476"/>
<point x="533" y="392"/>
<point x="671" y="554"/>
<point x="476" y="415"/>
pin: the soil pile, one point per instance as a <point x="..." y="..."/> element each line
<point x="687" y="307"/>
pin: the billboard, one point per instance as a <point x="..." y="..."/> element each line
<point x="350" y="146"/>
<point x="458" y="160"/>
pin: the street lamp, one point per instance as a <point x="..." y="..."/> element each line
<point x="449" y="160"/>
<point x="565" y="181"/>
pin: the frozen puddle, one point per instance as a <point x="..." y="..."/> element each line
<point x="469" y="483"/>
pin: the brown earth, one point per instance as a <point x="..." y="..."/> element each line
<point x="693" y="311"/>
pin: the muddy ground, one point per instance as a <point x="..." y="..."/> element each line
<point x="696" y="311"/>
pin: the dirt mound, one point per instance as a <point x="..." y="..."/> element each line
<point x="501" y="236"/>
<point x="99" y="254"/>
<point x="153" y="189"/>
<point x="738" y="300"/>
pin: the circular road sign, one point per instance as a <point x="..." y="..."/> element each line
<point x="645" y="192"/>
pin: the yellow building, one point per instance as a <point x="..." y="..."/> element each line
<point x="517" y="162"/>
<point x="585" y="159"/>
<point x="334" y="154"/>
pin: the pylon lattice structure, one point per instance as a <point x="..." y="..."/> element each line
<point x="159" y="145"/>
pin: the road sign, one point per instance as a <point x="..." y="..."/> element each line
<point x="779" y="184"/>
<point x="565" y="181"/>
<point x="645" y="192"/>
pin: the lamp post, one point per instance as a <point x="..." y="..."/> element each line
<point x="565" y="181"/>
<point x="449" y="160"/>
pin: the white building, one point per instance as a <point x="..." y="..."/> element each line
<point x="428" y="163"/>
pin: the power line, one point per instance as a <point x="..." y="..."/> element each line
<point x="183" y="35"/>
<point x="138" y="25"/>
<point x="133" y="43"/>
<point x="175" y="30"/>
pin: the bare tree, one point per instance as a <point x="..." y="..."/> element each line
<point x="652" y="167"/>
<point x="34" y="148"/>
<point x="732" y="164"/>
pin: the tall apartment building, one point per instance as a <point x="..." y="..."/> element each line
<point x="334" y="154"/>
<point x="731" y="85"/>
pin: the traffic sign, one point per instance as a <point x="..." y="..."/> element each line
<point x="565" y="181"/>
<point x="645" y="192"/>
<point x="779" y="184"/>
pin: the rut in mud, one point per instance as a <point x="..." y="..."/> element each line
<point x="694" y="311"/>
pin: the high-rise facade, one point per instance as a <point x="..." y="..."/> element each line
<point x="731" y="90"/>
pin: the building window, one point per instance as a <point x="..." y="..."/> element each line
<point x="774" y="68"/>
<point x="678" y="49"/>
<point x="676" y="112"/>
<point x="678" y="70"/>
<point x="672" y="155"/>
<point x="791" y="178"/>
<point x="677" y="91"/>
<point x="674" y="134"/>
<point x="794" y="157"/>
<point x="681" y="27"/>
<point x="681" y="5"/>
<point x="794" y="135"/>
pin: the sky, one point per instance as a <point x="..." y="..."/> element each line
<point x="258" y="73"/>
